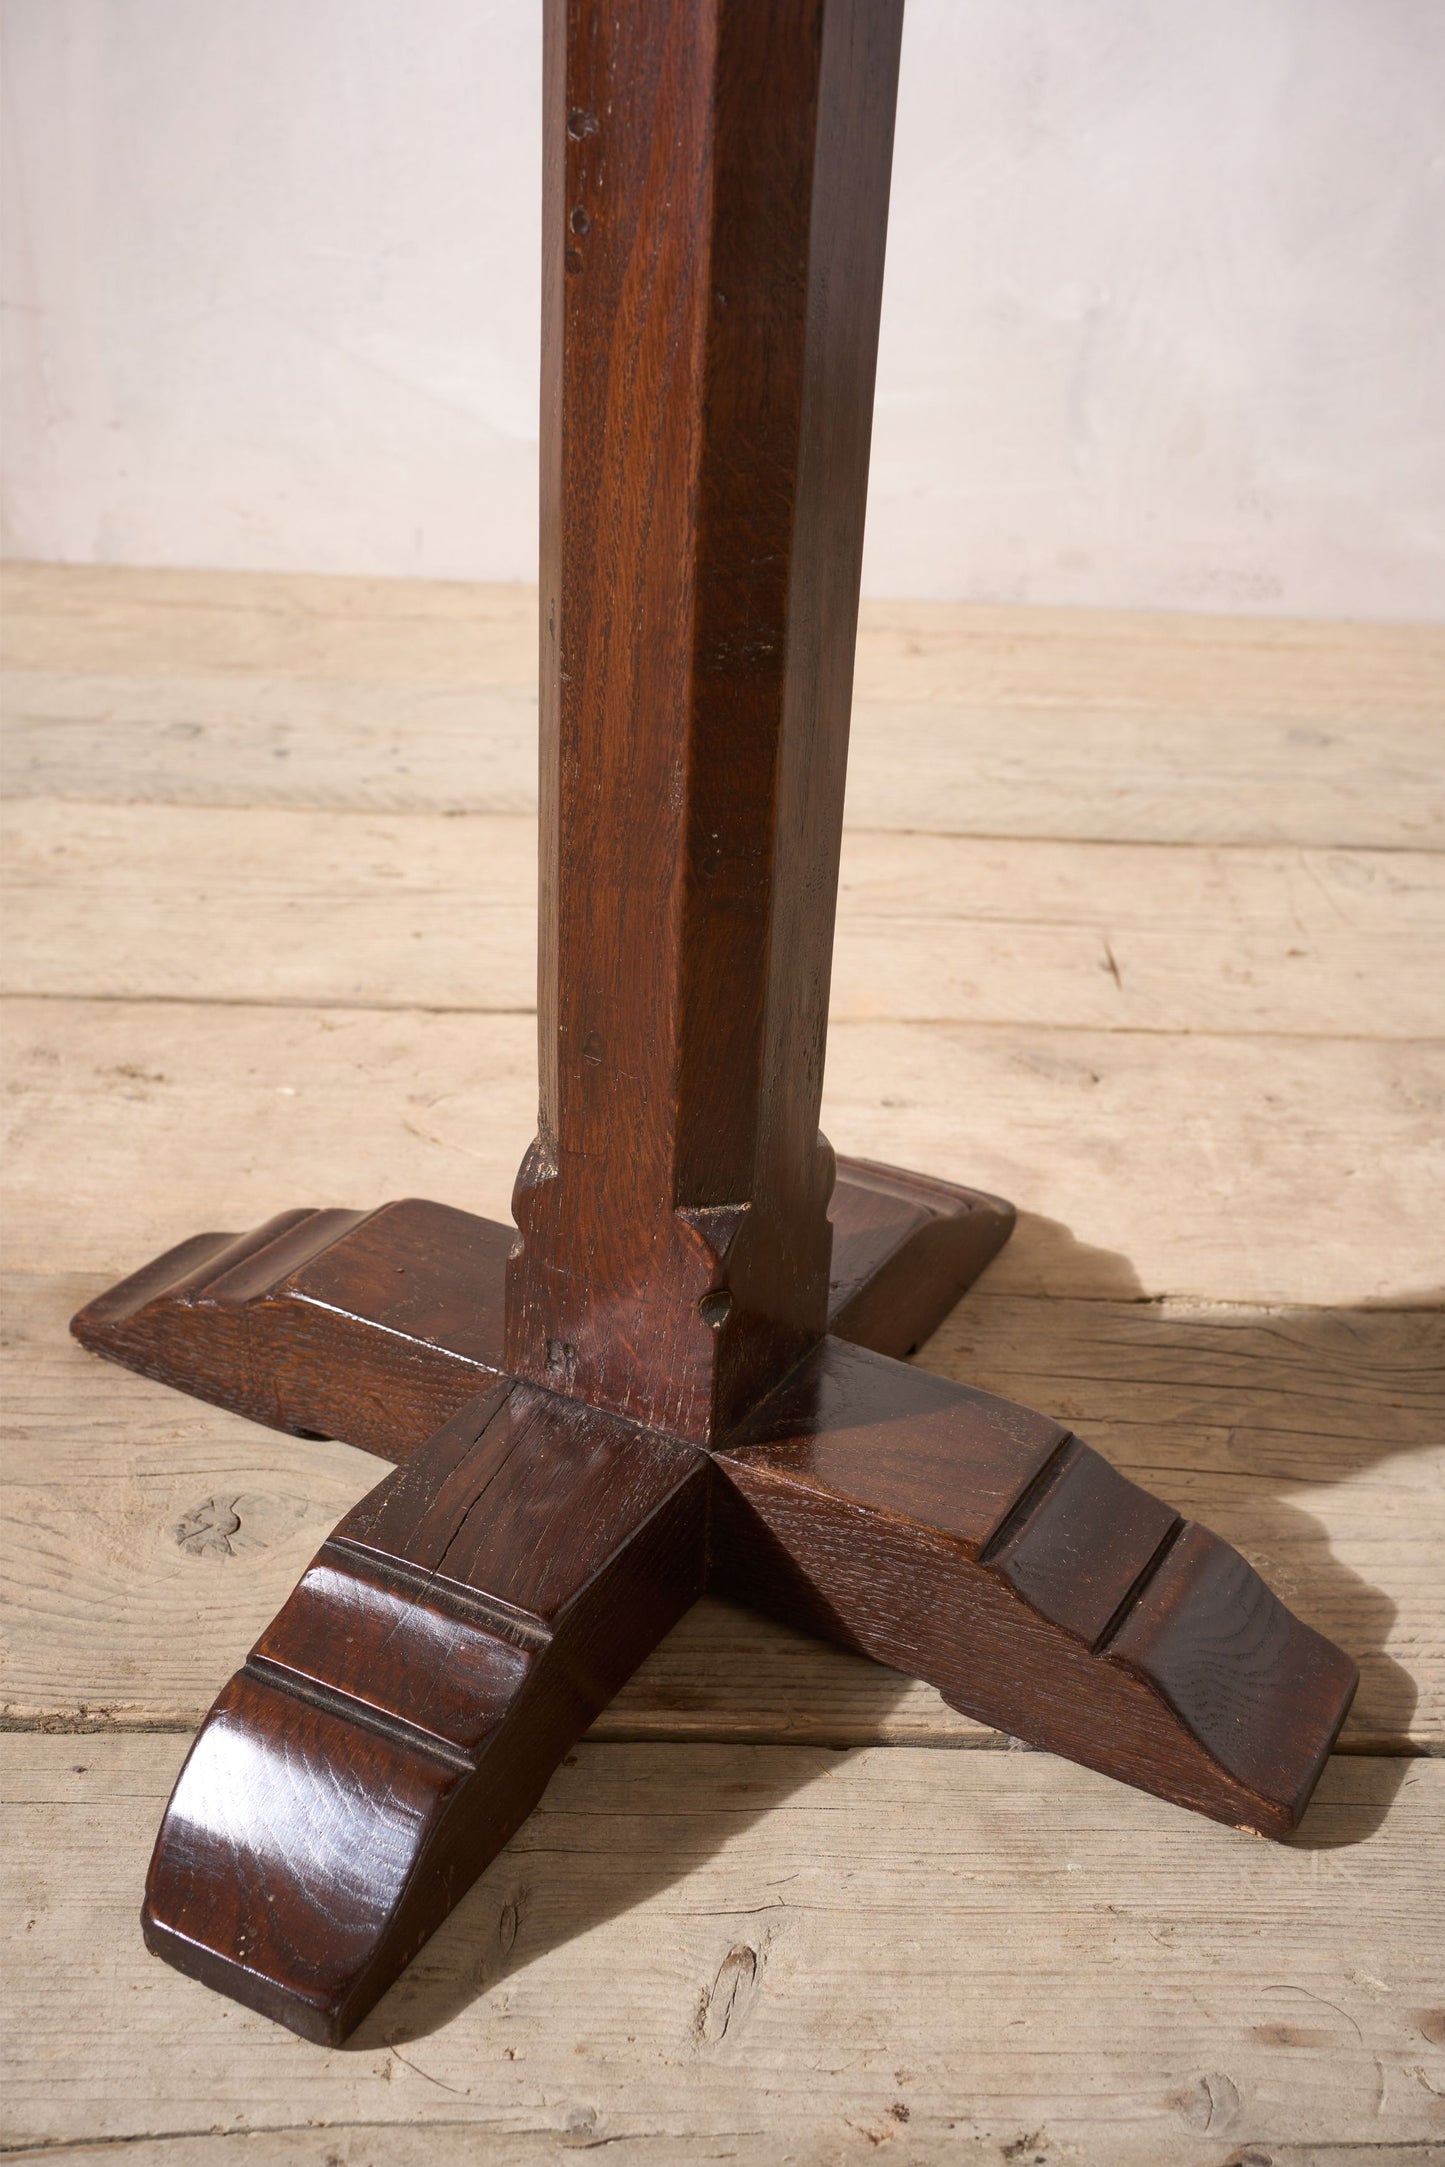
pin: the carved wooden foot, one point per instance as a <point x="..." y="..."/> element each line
<point x="375" y="1326"/>
<point x="983" y="1548"/>
<point x="471" y="1616"/>
<point x="467" y="1621"/>
<point x="715" y="202"/>
<point x="402" y="1715"/>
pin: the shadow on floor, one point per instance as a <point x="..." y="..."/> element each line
<point x="1229" y="1412"/>
<point x="556" y="1882"/>
<point x="1281" y="1400"/>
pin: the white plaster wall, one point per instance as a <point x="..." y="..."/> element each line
<point x="1164" y="321"/>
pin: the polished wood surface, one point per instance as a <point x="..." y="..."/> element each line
<point x="714" y="213"/>
<point x="712" y="1894"/>
<point x="715" y="202"/>
<point x="469" y="1618"/>
<point x="970" y="1542"/>
<point x="403" y="1714"/>
<point x="375" y="1326"/>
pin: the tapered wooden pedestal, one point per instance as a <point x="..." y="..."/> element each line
<point x="685" y="1368"/>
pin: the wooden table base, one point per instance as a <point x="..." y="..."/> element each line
<point x="473" y="1614"/>
<point x="375" y="1326"/>
<point x="680" y="1372"/>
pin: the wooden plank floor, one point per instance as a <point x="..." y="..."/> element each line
<point x="1141" y="925"/>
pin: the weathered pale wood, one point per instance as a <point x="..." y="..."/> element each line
<point x="105" y="617"/>
<point x="745" y="1951"/>
<point x="1261" y="1158"/>
<point x="1064" y="770"/>
<point x="205" y="903"/>
<point x="441" y="2144"/>
<point x="250" y="739"/>
<point x="188" y="902"/>
<point x="1309" y="1438"/>
<point x="1275" y="1169"/>
<point x="249" y="689"/>
<point x="1160" y="2003"/>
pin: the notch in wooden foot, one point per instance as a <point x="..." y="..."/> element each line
<point x="979" y="1546"/>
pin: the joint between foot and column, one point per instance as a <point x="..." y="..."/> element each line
<point x="681" y="1369"/>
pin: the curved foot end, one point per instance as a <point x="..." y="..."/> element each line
<point x="288" y="1870"/>
<point x="369" y="1326"/>
<point x="1258" y="1695"/>
<point x="983" y="1548"/>
<point x="403" y="1713"/>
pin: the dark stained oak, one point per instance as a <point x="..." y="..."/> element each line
<point x="375" y="1326"/>
<point x="983" y="1548"/>
<point x="469" y="1618"/>
<point x="681" y="1369"/>
<point x="906" y="1248"/>
<point x="715" y="209"/>
<point x="395" y="1723"/>
<point x="368" y="1326"/>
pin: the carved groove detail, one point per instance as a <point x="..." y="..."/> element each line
<point x="715" y="208"/>
<point x="348" y="1708"/>
<point x="965" y="1541"/>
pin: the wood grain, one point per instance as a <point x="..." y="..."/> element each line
<point x="1309" y="1439"/>
<point x="154" y="1535"/>
<point x="254" y="1110"/>
<point x="363" y="2144"/>
<point x="168" y="622"/>
<point x="269" y="689"/>
<point x="729" y="1946"/>
<point x="715" y="206"/>
<point x="971" y="1542"/>
<point x="203" y="903"/>
<point x="714" y="213"/>
<point x="401" y="1716"/>
<point x="375" y="1326"/>
<point x="714" y="217"/>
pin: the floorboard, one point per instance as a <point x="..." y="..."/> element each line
<point x="778" y="1946"/>
<point x="1225" y="1167"/>
<point x="405" y="910"/>
<point x="261" y="689"/>
<point x="1307" y="1437"/>
<point x="1140" y="926"/>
